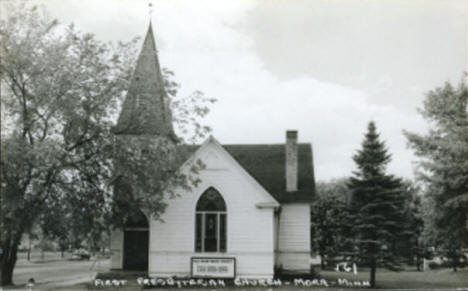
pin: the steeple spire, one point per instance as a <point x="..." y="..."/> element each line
<point x="145" y="109"/>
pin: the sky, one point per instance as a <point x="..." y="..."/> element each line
<point x="325" y="68"/>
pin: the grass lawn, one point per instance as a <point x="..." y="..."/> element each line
<point x="431" y="279"/>
<point x="54" y="273"/>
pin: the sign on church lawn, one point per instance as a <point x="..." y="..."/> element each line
<point x="213" y="267"/>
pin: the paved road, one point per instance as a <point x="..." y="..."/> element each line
<point x="57" y="274"/>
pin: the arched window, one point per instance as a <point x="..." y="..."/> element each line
<point x="210" y="222"/>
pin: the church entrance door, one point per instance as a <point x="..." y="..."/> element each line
<point x="136" y="244"/>
<point x="136" y="250"/>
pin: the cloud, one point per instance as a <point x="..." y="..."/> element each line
<point x="254" y="106"/>
<point x="383" y="47"/>
<point x="240" y="51"/>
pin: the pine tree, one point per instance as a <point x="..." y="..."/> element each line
<point x="376" y="204"/>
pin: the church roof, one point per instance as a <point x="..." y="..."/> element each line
<point x="266" y="164"/>
<point x="146" y="108"/>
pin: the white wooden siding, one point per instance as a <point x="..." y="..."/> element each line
<point x="253" y="234"/>
<point x="294" y="236"/>
<point x="250" y="237"/>
<point x="116" y="244"/>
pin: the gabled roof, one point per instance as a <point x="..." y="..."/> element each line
<point x="146" y="106"/>
<point x="268" y="201"/>
<point x="266" y="164"/>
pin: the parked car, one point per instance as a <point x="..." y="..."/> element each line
<point x="80" y="254"/>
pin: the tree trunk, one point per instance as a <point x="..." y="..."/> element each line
<point x="418" y="261"/>
<point x="29" y="248"/>
<point x="455" y="263"/>
<point x="418" y="257"/>
<point x="8" y="261"/>
<point x="373" y="271"/>
<point x="322" y="260"/>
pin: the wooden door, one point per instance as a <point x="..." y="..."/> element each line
<point x="136" y="243"/>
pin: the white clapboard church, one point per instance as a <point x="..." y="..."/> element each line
<point x="249" y="214"/>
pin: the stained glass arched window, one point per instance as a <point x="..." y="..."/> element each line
<point x="210" y="222"/>
<point x="211" y="200"/>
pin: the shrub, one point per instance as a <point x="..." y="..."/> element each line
<point x="434" y="265"/>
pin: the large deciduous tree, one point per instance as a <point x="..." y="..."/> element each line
<point x="376" y="204"/>
<point x="443" y="154"/>
<point x="410" y="243"/>
<point x="60" y="89"/>
<point x="330" y="220"/>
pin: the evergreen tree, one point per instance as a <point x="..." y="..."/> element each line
<point x="376" y="205"/>
<point x="443" y="153"/>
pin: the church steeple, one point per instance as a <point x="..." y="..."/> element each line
<point x="145" y="109"/>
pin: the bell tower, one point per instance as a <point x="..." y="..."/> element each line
<point x="145" y="119"/>
<point x="146" y="108"/>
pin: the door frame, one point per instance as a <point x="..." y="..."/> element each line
<point x="132" y="229"/>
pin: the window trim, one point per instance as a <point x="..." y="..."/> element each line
<point x="218" y="231"/>
<point x="202" y="220"/>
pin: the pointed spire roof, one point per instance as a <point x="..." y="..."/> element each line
<point x="146" y="109"/>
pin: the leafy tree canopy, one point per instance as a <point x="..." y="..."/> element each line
<point x="60" y="94"/>
<point x="330" y="220"/>
<point x="443" y="166"/>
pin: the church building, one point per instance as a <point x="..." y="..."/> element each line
<point x="249" y="214"/>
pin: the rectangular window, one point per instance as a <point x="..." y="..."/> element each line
<point x="222" y="232"/>
<point x="198" y="232"/>
<point x="210" y="232"/>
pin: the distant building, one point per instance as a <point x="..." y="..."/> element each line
<point x="250" y="213"/>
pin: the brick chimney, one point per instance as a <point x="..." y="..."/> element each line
<point x="291" y="160"/>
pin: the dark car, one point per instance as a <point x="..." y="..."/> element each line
<point x="81" y="254"/>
